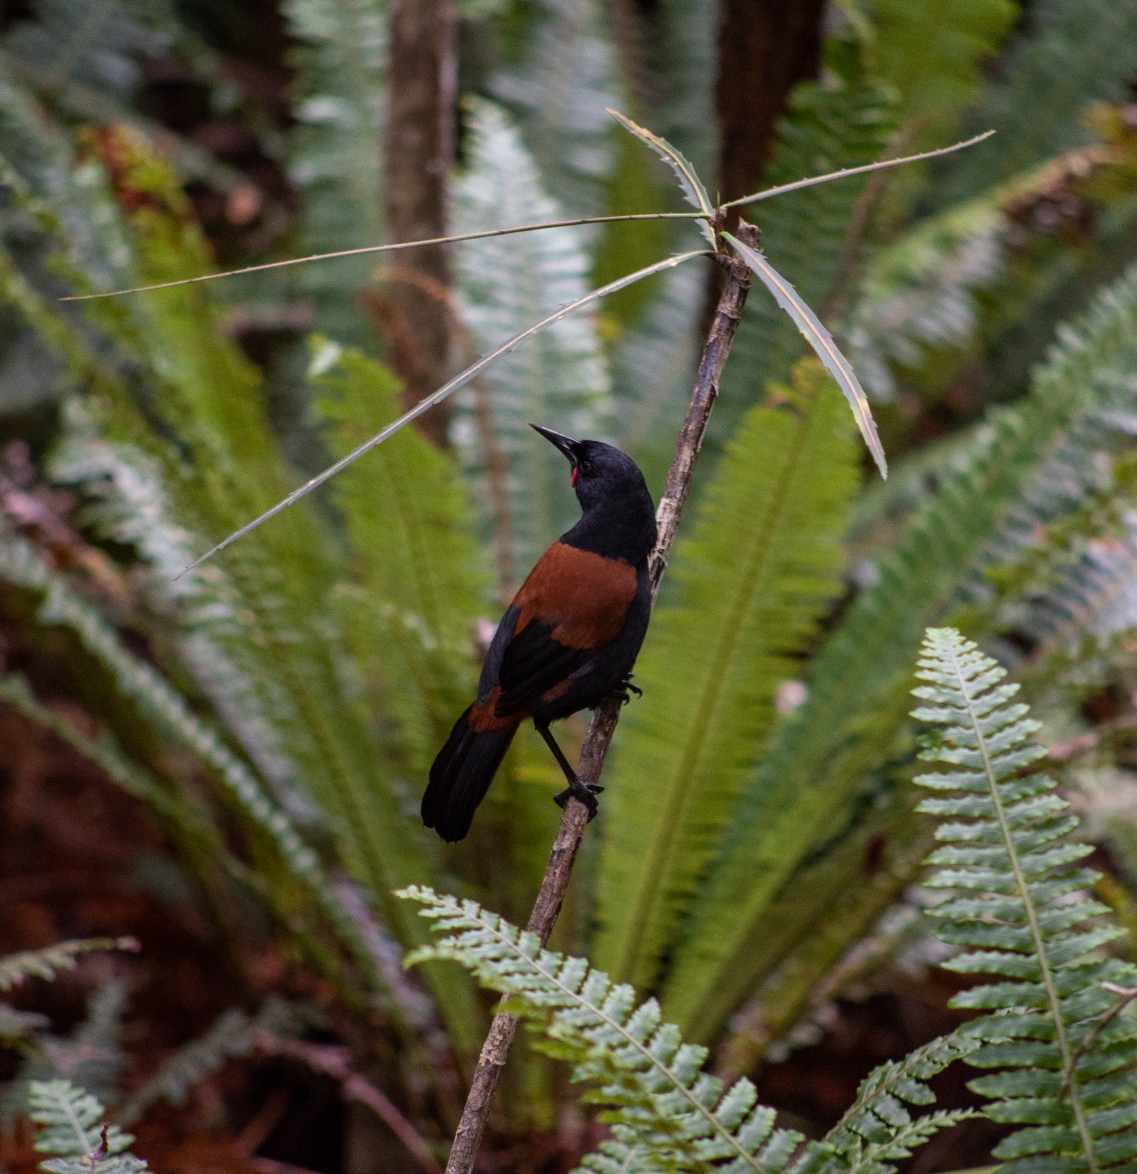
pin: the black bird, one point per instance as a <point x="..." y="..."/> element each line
<point x="568" y="639"/>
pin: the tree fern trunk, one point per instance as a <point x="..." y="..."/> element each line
<point x="414" y="309"/>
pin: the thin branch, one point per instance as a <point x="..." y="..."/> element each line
<point x="880" y="165"/>
<point x="394" y="248"/>
<point x="335" y="1061"/>
<point x="595" y="749"/>
<point x="459" y="380"/>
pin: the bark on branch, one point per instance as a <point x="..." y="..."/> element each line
<point x="567" y="842"/>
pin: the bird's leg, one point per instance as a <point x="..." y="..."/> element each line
<point x="626" y="689"/>
<point x="585" y="792"/>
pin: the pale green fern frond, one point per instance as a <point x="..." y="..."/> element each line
<point x="660" y="1102"/>
<point x="856" y="703"/>
<point x="749" y="585"/>
<point x="560" y="93"/>
<point x="877" y="1129"/>
<point x="339" y="104"/>
<point x="50" y="960"/>
<point x="71" y="1125"/>
<point x="665" y="1113"/>
<point x="558" y="378"/>
<point x="1020" y="912"/>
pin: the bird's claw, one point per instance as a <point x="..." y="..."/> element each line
<point x="584" y="793"/>
<point x="626" y="689"/>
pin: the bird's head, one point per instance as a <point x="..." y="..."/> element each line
<point x="601" y="473"/>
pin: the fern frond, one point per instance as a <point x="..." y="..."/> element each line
<point x="417" y="583"/>
<point x="335" y="158"/>
<point x="558" y="378"/>
<point x="71" y="1125"/>
<point x="1020" y="912"/>
<point x="877" y="1128"/>
<point x="665" y="1113"/>
<point x="826" y="129"/>
<point x="232" y="1035"/>
<point x="50" y="960"/>
<point x="749" y="585"/>
<point x="919" y="292"/>
<point x="856" y="703"/>
<point x="660" y="1103"/>
<point x="139" y="681"/>
<point x="1067" y="58"/>
<point x="560" y="93"/>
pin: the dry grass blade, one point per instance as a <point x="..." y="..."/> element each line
<point x="830" y="176"/>
<point x="437" y="397"/>
<point x="822" y="342"/>
<point x="439" y="240"/>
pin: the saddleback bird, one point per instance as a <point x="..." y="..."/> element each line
<point x="568" y="639"/>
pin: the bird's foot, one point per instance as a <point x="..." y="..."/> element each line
<point x="583" y="792"/>
<point x="626" y="689"/>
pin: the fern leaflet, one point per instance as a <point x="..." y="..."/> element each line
<point x="1069" y="1057"/>
<point x="667" y="1114"/>
<point x="46" y="963"/>
<point x="71" y="1125"/>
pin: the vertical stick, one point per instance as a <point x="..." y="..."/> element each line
<point x="555" y="883"/>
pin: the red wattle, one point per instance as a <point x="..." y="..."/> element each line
<point x="575" y="475"/>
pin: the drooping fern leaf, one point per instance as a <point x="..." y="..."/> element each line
<point x="48" y="961"/>
<point x="749" y="585"/>
<point x="665" y="1113"/>
<point x="1020" y="912"/>
<point x="877" y="1129"/>
<point x="71" y="1125"/>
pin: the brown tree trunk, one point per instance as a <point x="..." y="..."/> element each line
<point x="414" y="310"/>
<point x="765" y="47"/>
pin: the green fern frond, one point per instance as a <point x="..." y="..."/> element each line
<point x="877" y="1129"/>
<point x="416" y="587"/>
<point x="71" y="1125"/>
<point x="749" y="585"/>
<point x="919" y="292"/>
<point x="934" y="54"/>
<point x="827" y="128"/>
<point x="170" y="712"/>
<point x="857" y="690"/>
<point x="50" y="960"/>
<point x="1020" y="912"/>
<point x="340" y="61"/>
<point x="559" y="378"/>
<point x="560" y="92"/>
<point x="659" y="1102"/>
<point x="1071" y="54"/>
<point x="232" y="1035"/>
<point x="665" y="1113"/>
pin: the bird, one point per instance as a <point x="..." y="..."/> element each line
<point x="567" y="641"/>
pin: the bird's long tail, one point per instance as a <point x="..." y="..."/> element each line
<point x="461" y="775"/>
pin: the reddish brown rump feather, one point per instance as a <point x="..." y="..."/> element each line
<point x="483" y="717"/>
<point x="583" y="596"/>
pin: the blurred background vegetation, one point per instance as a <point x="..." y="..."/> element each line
<point x="227" y="765"/>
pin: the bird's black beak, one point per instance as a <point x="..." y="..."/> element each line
<point x="565" y="443"/>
